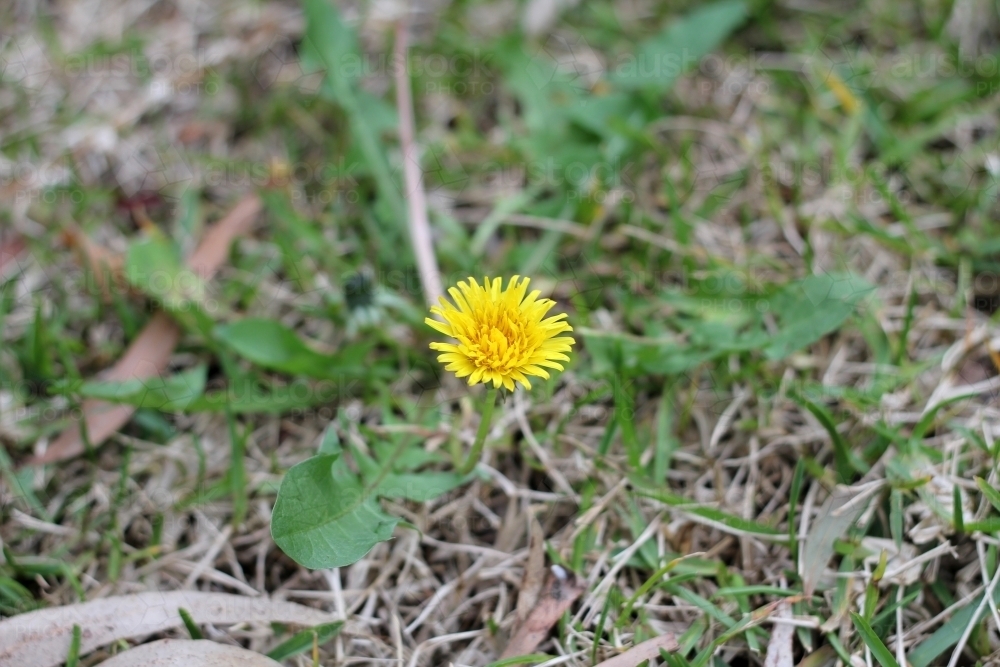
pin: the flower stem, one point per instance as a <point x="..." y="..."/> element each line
<point x="484" y="428"/>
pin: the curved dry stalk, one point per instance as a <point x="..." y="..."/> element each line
<point x="420" y="228"/>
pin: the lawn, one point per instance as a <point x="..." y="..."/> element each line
<point x="771" y="226"/>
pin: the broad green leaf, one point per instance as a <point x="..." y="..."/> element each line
<point x="172" y="393"/>
<point x="324" y="517"/>
<point x="272" y="345"/>
<point x="298" y="395"/>
<point x="155" y="267"/>
<point x="807" y="310"/>
<point x="419" y="486"/>
<point x="416" y="486"/>
<point x="658" y="62"/>
<point x="641" y="355"/>
<point x="331" y="441"/>
<point x="331" y="46"/>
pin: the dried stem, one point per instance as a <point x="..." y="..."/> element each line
<point x="420" y="229"/>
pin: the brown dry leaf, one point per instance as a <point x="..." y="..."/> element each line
<point x="188" y="653"/>
<point x="11" y="248"/>
<point x="779" y="650"/>
<point x="42" y="638"/>
<point x="106" y="266"/>
<point x="213" y="250"/>
<point x="824" y="656"/>
<point x="648" y="650"/>
<point x="561" y="591"/>
<point x="534" y="571"/>
<point x="146" y="357"/>
<point x="150" y="352"/>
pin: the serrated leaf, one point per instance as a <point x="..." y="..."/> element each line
<point x="416" y="486"/>
<point x="155" y="267"/>
<point x="331" y="46"/>
<point x="324" y="517"/>
<point x="419" y="486"/>
<point x="659" y="61"/>
<point x="273" y="400"/>
<point x="807" y="310"/>
<point x="169" y="394"/>
<point x="272" y="345"/>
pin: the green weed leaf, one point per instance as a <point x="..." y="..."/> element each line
<point x="659" y="61"/>
<point x="325" y="517"/>
<point x="172" y="393"/>
<point x="154" y="266"/>
<point x="807" y="310"/>
<point x="272" y="345"/>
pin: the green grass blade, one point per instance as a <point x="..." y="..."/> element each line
<point x="841" y="450"/>
<point x="991" y="493"/>
<point x="303" y="641"/>
<point x="73" y="656"/>
<point x="878" y="649"/>
<point x="189" y="623"/>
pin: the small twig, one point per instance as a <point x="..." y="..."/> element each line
<point x="206" y="561"/>
<point x="443" y="592"/>
<point x="420" y="229"/>
<point x="520" y="409"/>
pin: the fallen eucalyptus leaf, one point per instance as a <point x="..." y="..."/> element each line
<point x="42" y="638"/>
<point x="189" y="653"/>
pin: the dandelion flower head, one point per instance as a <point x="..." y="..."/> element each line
<point x="503" y="335"/>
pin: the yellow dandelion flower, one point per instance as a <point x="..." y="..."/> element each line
<point x="502" y="336"/>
